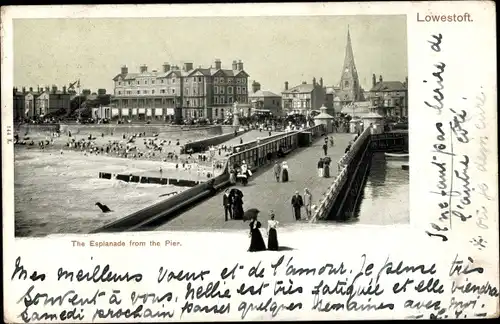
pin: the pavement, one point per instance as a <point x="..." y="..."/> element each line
<point x="265" y="194"/>
<point x="249" y="137"/>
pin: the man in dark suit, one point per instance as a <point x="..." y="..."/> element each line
<point x="226" y="202"/>
<point x="297" y="203"/>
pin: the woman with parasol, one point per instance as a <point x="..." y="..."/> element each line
<point x="272" y="234"/>
<point x="256" y="240"/>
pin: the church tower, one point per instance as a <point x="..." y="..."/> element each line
<point x="349" y="81"/>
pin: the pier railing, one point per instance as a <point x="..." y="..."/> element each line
<point x="326" y="202"/>
<point x="254" y="143"/>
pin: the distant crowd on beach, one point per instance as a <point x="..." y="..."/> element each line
<point x="131" y="146"/>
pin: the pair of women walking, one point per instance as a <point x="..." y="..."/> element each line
<point x="256" y="239"/>
<point x="281" y="171"/>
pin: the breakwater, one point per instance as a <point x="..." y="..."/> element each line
<point x="149" y="179"/>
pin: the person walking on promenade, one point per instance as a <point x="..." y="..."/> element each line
<point x="226" y="202"/>
<point x="307" y="202"/>
<point x="284" y="172"/>
<point x="232" y="176"/>
<point x="272" y="234"/>
<point x="297" y="204"/>
<point x="320" y="167"/>
<point x="256" y="240"/>
<point x="348" y="148"/>
<point x="325" y="148"/>
<point x="326" y="167"/>
<point x="277" y="171"/>
<point x="332" y="142"/>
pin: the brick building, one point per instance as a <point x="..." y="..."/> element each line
<point x="183" y="92"/>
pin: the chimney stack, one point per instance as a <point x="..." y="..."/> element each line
<point x="218" y="64"/>
<point x="240" y="65"/>
<point x="166" y="67"/>
<point x="406" y="82"/>
<point x="304" y="82"/>
<point x="374" y="80"/>
<point x="31" y="89"/>
<point x="286" y="85"/>
<point x="144" y="68"/>
<point x="47" y="89"/>
<point x="380" y="79"/>
<point x="188" y="66"/>
<point x="235" y="65"/>
<point x="24" y="89"/>
<point x="54" y="89"/>
<point x="14" y="90"/>
<point x="124" y="69"/>
<point x="321" y="82"/>
<point x="314" y="81"/>
<point x="64" y="89"/>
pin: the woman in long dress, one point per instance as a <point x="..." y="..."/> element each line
<point x="256" y="240"/>
<point x="326" y="168"/>
<point x="272" y="234"/>
<point x="284" y="172"/>
<point x="232" y="176"/>
<point x="237" y="200"/>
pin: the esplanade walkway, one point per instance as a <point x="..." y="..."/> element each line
<point x="265" y="194"/>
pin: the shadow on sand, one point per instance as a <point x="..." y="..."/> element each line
<point x="285" y="248"/>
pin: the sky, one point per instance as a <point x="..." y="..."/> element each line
<point x="273" y="49"/>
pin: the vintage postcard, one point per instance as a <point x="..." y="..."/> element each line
<point x="220" y="162"/>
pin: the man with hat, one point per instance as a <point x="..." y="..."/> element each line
<point x="297" y="204"/>
<point x="227" y="202"/>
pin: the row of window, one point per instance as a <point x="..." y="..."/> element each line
<point x="216" y="113"/>
<point x="297" y="95"/>
<point x="221" y="90"/>
<point x="388" y="94"/>
<point x="217" y="99"/>
<point x="194" y="79"/>
<point x="387" y="102"/>
<point x="229" y="100"/>
<point x="145" y="82"/>
<point x="229" y="80"/>
<point x="194" y="102"/>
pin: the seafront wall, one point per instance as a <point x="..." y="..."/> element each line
<point x="30" y="129"/>
<point x="119" y="129"/>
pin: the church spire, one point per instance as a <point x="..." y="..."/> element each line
<point x="349" y="82"/>
<point x="349" y="57"/>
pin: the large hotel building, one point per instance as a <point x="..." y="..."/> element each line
<point x="183" y="92"/>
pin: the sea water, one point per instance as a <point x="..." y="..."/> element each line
<point x="56" y="193"/>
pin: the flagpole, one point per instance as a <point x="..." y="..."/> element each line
<point x="79" y="101"/>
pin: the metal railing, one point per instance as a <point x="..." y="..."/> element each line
<point x="326" y="202"/>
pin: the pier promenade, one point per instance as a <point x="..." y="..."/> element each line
<point x="265" y="194"/>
